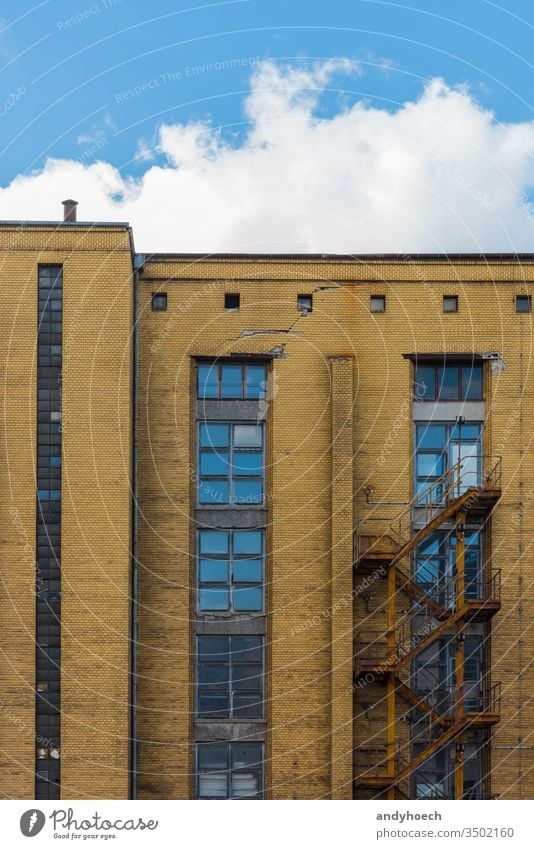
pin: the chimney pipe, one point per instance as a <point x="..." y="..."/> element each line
<point x="69" y="210"/>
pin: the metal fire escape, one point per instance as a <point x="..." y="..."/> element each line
<point x="433" y="611"/>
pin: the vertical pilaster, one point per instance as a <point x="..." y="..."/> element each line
<point x="341" y="575"/>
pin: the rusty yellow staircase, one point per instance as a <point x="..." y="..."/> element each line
<point x="384" y="655"/>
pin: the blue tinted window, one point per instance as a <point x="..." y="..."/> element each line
<point x="248" y="492"/>
<point x="214" y="492"/>
<point x="213" y="463"/>
<point x="430" y="465"/>
<point x="213" y="542"/>
<point x="243" y="459"/>
<point x="472" y="382"/>
<point x="425" y="382"/>
<point x="248" y="598"/>
<point x="214" y="435"/>
<point x="431" y="436"/>
<point x="231" y="382"/>
<point x="234" y="678"/>
<point x="247" y="464"/>
<point x="219" y="575"/>
<point x="247" y="542"/>
<point x="214" y="571"/>
<point x="448" y="389"/>
<point x="214" y="599"/>
<point x="255" y="377"/>
<point x="247" y="571"/>
<point x="208" y="381"/>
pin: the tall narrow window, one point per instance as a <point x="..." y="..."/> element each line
<point x="230" y="673"/>
<point x="231" y="460"/>
<point x="230" y="570"/>
<point x="442" y="446"/>
<point x="48" y="531"/>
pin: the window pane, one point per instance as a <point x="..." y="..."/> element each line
<point x="247" y="706"/>
<point x="231" y="385"/>
<point x="207" y="381"/>
<point x="448" y="383"/>
<point x="212" y="755"/>
<point x="247" y="598"/>
<point x="247" y="463"/>
<point x="244" y="784"/>
<point x="469" y="431"/>
<point x="425" y="383"/>
<point x="247" y="542"/>
<point x="214" y="571"/>
<point x="247" y="571"/>
<point x="213" y="542"/>
<point x="213" y="705"/>
<point x="430" y="465"/>
<point x="255" y="378"/>
<point x="247" y="648"/>
<point x="213" y="673"/>
<point x="214" y="463"/>
<point x="245" y="755"/>
<point x="431" y="436"/>
<point x="247" y="677"/>
<point x="472" y="382"/>
<point x="213" y="648"/>
<point x="248" y="436"/>
<point x="248" y="492"/>
<point x="213" y="785"/>
<point x="214" y="435"/>
<point x="214" y="599"/>
<point x="214" y="492"/>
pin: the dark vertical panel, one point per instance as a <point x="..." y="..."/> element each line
<point x="48" y="532"/>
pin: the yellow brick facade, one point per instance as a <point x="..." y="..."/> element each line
<point x="96" y="476"/>
<point x="339" y="419"/>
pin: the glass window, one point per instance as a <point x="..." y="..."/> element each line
<point x="458" y="382"/>
<point x="230" y="771"/>
<point x="425" y="383"/>
<point x="378" y="303"/>
<point x="208" y="381"/>
<point x="230" y="570"/>
<point x="450" y="303"/>
<point x="231" y="381"/>
<point x="523" y="303"/>
<point x="232" y="476"/>
<point x="230" y="673"/>
<point x="440" y="447"/>
<point x="159" y="301"/>
<point x="305" y="303"/>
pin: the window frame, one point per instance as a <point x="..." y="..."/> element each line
<point x="453" y="301"/>
<point x="229" y="770"/>
<point x="231" y="584"/>
<point x="445" y="451"/>
<point x="436" y="366"/>
<point x="303" y="307"/>
<point x="231" y="691"/>
<point x="523" y="299"/>
<point x="381" y="298"/>
<point x="155" y="296"/>
<point x="218" y="367"/>
<point x="228" y="296"/>
<point x="231" y="478"/>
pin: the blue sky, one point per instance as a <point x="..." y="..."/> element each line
<point x="89" y="82"/>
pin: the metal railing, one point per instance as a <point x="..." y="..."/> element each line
<point x="453" y="483"/>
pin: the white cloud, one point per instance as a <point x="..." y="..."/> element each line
<point x="437" y="174"/>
